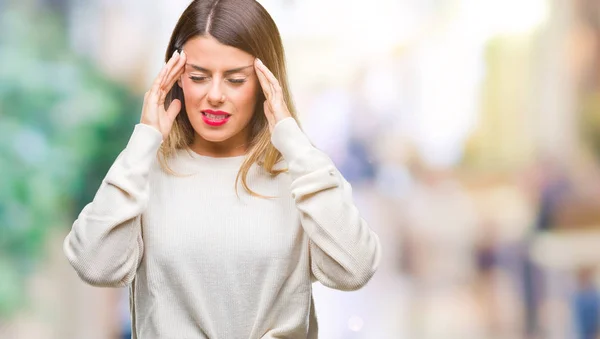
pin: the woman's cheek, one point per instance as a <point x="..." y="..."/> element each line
<point x="247" y="95"/>
<point x="192" y="92"/>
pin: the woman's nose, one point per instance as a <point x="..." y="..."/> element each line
<point x="215" y="94"/>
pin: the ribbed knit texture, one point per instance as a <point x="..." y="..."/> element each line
<point x="202" y="262"/>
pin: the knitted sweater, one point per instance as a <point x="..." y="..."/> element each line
<point x="203" y="262"/>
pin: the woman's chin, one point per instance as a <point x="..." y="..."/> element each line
<point x="214" y="136"/>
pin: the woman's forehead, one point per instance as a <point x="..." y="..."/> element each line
<point x="209" y="53"/>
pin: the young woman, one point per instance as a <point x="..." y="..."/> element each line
<point x="220" y="213"/>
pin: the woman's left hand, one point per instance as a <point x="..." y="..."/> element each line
<point x="274" y="106"/>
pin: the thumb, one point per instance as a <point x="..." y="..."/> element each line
<point x="173" y="110"/>
<point x="269" y="114"/>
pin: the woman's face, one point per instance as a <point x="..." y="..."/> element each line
<point x="220" y="89"/>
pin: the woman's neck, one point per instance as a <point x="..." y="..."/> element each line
<point x="232" y="147"/>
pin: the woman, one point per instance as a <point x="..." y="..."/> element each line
<point x="219" y="213"/>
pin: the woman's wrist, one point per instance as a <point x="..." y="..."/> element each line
<point x="288" y="138"/>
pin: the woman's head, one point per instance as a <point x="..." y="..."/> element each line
<point x="219" y="36"/>
<point x="221" y="92"/>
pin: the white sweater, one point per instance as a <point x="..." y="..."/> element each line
<point x="203" y="263"/>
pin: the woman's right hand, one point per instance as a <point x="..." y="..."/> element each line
<point x="153" y="111"/>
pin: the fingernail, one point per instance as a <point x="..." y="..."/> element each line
<point x="174" y="53"/>
<point x="182" y="53"/>
<point x="259" y="61"/>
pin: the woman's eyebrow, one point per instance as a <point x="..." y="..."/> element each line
<point x="229" y="71"/>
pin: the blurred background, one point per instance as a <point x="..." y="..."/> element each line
<point x="469" y="129"/>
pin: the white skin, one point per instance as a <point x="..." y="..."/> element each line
<point x="202" y="72"/>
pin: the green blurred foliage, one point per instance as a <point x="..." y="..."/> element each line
<point x="62" y="124"/>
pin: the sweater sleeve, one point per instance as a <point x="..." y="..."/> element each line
<point x="105" y="243"/>
<point x="345" y="252"/>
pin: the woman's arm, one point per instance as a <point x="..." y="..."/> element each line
<point x="105" y="243"/>
<point x="345" y="253"/>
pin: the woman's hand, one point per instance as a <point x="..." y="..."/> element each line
<point x="153" y="111"/>
<point x="274" y="107"/>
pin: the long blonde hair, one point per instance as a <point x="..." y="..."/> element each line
<point x="246" y="25"/>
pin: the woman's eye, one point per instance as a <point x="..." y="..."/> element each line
<point x="198" y="79"/>
<point x="237" y="81"/>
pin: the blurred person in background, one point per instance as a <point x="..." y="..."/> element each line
<point x="553" y="187"/>
<point x="586" y="304"/>
<point x="220" y="213"/>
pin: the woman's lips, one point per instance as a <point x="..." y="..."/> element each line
<point x="215" y="118"/>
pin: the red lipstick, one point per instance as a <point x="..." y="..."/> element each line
<point x="215" y="118"/>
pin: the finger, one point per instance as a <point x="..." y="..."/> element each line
<point x="273" y="97"/>
<point x="169" y="86"/>
<point x="264" y="83"/>
<point x="173" y="61"/>
<point x="272" y="79"/>
<point x="146" y="97"/>
<point x="267" y="85"/>
<point x="269" y="114"/>
<point x="145" y="104"/>
<point x="173" y="110"/>
<point x="174" y="71"/>
<point x="156" y="85"/>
